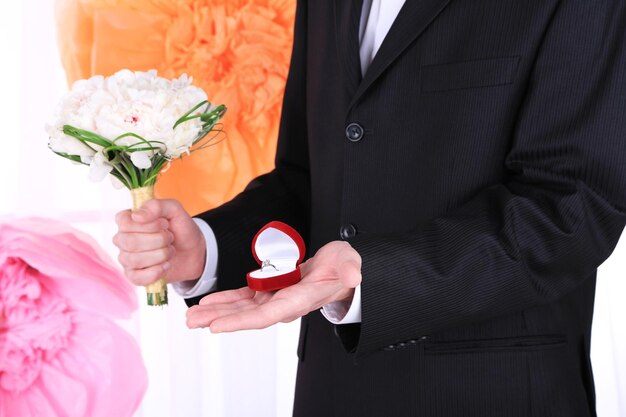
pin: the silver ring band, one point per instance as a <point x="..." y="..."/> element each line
<point x="267" y="263"/>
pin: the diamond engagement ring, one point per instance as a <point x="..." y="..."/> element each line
<point x="267" y="263"/>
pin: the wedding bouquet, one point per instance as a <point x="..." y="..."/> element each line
<point x="131" y="125"/>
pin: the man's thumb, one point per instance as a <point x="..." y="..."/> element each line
<point x="155" y="209"/>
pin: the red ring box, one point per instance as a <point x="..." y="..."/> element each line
<point x="283" y="247"/>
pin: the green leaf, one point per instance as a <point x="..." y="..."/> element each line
<point x="86" y="136"/>
<point x="131" y="149"/>
<point x="74" y="158"/>
<point x="213" y="116"/>
<point x="183" y="118"/>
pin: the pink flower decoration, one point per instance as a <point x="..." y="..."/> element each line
<point x="61" y="353"/>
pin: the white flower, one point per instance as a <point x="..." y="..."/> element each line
<point x="99" y="167"/>
<point x="141" y="159"/>
<point x="140" y="103"/>
<point x="61" y="143"/>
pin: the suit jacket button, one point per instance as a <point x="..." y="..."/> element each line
<point x="354" y="132"/>
<point x="347" y="231"/>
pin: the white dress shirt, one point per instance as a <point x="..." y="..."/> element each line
<point x="377" y="16"/>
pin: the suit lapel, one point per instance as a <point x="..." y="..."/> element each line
<point x="413" y="19"/>
<point x="347" y="17"/>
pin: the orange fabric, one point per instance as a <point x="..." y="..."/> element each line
<point x="237" y="50"/>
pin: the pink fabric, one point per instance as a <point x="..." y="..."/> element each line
<point x="61" y="353"/>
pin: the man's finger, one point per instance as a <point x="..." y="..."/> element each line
<point x="233" y="305"/>
<point x="228" y="296"/>
<point x="146" y="259"/>
<point x="126" y="224"/>
<point x="265" y="315"/>
<point x="203" y="316"/>
<point x="142" y="242"/>
<point x="146" y="276"/>
<point x="156" y="209"/>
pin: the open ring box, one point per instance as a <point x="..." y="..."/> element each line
<point x="279" y="249"/>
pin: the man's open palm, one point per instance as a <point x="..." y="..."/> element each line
<point x="331" y="275"/>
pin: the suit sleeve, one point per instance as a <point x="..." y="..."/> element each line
<point x="532" y="239"/>
<point x="283" y="194"/>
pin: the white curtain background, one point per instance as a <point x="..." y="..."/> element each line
<point x="192" y="373"/>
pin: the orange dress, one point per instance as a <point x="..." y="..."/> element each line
<point x="237" y="50"/>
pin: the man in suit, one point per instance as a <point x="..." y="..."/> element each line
<point x="458" y="184"/>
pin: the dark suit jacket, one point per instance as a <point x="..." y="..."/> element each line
<point x="483" y="184"/>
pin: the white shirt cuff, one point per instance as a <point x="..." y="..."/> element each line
<point x="343" y="312"/>
<point x="207" y="281"/>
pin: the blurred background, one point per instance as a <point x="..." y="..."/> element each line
<point x="193" y="373"/>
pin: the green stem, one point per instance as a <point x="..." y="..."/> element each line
<point x="130" y="169"/>
<point x="158" y="165"/>
<point x="124" y="178"/>
<point x="121" y="177"/>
